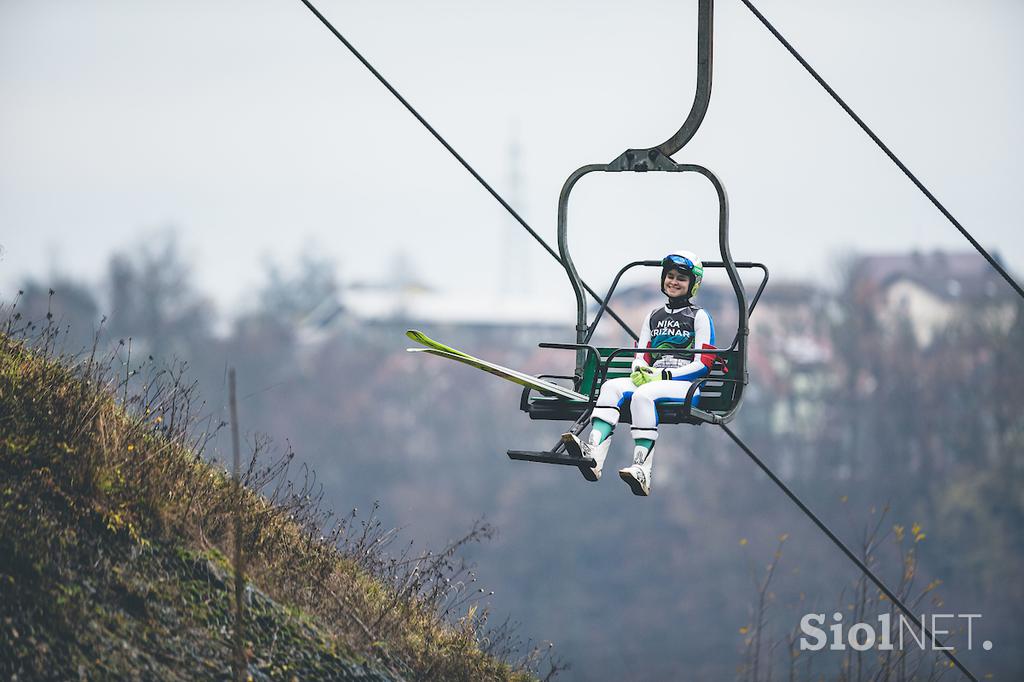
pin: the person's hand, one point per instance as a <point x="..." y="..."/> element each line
<point x="643" y="374"/>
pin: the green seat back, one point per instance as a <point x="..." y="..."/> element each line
<point x="715" y="396"/>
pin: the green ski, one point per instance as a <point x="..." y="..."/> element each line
<point x="522" y="378"/>
<point x="424" y="340"/>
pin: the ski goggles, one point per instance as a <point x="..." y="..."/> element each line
<point x="683" y="262"/>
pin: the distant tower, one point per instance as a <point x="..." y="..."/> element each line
<point x="404" y="285"/>
<point x="516" y="271"/>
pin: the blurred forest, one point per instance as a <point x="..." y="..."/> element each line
<point x="912" y="451"/>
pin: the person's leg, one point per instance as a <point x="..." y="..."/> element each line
<point x="613" y="393"/>
<point x="643" y="408"/>
<point x="645" y="421"/>
<point x="599" y="431"/>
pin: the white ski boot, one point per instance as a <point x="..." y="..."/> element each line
<point x="577" y="448"/>
<point x="638" y="475"/>
<point x="637" y="479"/>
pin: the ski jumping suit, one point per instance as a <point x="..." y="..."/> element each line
<point x="686" y="327"/>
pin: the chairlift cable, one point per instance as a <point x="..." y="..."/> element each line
<point x="458" y="157"/>
<point x="888" y="152"/>
<point x="846" y="550"/>
<point x="778" y="482"/>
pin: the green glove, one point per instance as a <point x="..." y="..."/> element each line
<point x="643" y="375"/>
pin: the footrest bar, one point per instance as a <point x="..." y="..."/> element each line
<point x="548" y="457"/>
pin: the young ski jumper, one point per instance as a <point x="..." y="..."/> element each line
<point x="656" y="378"/>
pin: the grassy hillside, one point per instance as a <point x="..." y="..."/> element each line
<point x="113" y="538"/>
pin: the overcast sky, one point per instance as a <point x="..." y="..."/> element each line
<point x="250" y="129"/>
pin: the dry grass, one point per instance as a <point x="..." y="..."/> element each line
<point x="103" y="456"/>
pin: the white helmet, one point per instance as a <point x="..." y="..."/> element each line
<point x="686" y="261"/>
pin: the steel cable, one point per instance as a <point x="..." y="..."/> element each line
<point x="846" y="550"/>
<point x="789" y="493"/>
<point x="888" y="152"/>
<point x="458" y="157"/>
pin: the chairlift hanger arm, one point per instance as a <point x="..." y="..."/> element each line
<point x="702" y="97"/>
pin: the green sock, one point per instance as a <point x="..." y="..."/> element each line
<point x="603" y="429"/>
<point x="643" y="457"/>
<point x="645" y="443"/>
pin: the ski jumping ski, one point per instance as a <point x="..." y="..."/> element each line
<point x="522" y="378"/>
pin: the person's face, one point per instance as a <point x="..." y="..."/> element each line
<point x="677" y="283"/>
